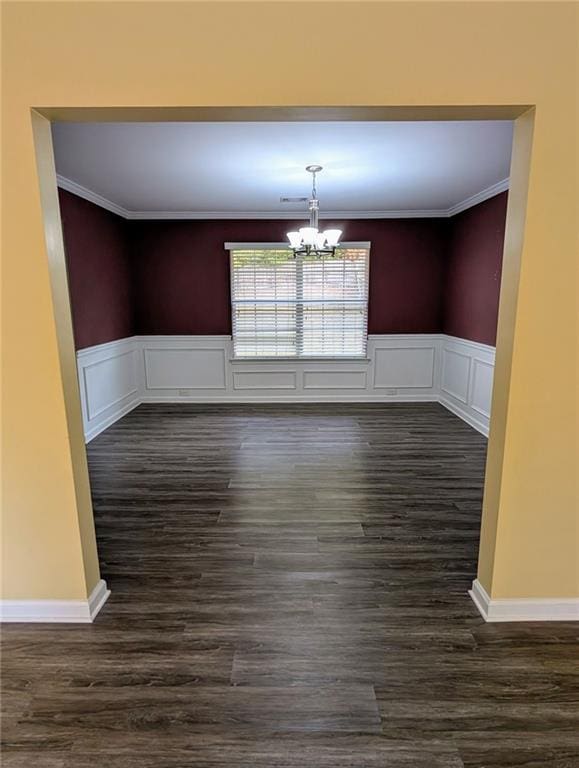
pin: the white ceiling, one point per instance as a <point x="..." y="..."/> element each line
<point x="242" y="169"/>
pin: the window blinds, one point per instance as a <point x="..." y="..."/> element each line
<point x="299" y="307"/>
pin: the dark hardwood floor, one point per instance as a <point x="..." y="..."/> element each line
<point x="289" y="590"/>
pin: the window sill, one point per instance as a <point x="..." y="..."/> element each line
<point x="246" y="360"/>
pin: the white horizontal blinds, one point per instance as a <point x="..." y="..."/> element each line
<point x="299" y="307"/>
<point x="335" y="301"/>
<point x="263" y="297"/>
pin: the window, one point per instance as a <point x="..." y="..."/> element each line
<point x="299" y="307"/>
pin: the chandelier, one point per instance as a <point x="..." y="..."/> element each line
<point x="309" y="240"/>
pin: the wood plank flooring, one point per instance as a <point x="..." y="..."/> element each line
<point x="289" y="590"/>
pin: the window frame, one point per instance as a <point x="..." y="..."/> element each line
<point x="267" y="246"/>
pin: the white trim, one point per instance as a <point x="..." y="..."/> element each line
<point x="312" y="372"/>
<point x="92" y="197"/>
<point x="296" y="215"/>
<point x="477" y="346"/>
<point x="98" y="598"/>
<point x="183" y="348"/>
<point x="92" y="432"/>
<point x="299" y="398"/>
<point x="453" y="383"/>
<point x="93" y="414"/>
<point x="56" y="611"/>
<point x="108" y="346"/>
<point x="524" y="608"/>
<point x="345" y="359"/>
<point x="419" y="213"/>
<point x="109" y="378"/>
<point x="385" y="380"/>
<point x="480" y="197"/>
<point x="468" y="358"/>
<point x="367" y="244"/>
<point x="464" y="414"/>
<point x="162" y="340"/>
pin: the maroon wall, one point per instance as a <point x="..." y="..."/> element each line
<point x="182" y="272"/>
<point x="172" y="277"/>
<point x="407" y="264"/>
<point x="473" y="276"/>
<point x="99" y="271"/>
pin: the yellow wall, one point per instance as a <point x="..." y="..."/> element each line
<point x="402" y="53"/>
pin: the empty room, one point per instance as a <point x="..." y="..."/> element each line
<point x="288" y="457"/>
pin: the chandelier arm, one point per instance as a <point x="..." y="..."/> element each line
<point x="309" y="251"/>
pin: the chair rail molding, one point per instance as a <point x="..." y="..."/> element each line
<point x="116" y="377"/>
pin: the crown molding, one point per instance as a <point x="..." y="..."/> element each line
<point x="92" y="197"/>
<point x="286" y="215"/>
<point x="480" y="197"/>
<point x="273" y="246"/>
<point x="428" y="213"/>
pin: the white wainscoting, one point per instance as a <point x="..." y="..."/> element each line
<point x="202" y="369"/>
<point x="109" y="380"/>
<point x="116" y="377"/>
<point x="466" y="380"/>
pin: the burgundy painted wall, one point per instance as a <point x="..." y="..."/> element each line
<point x="473" y="277"/>
<point x="181" y="272"/>
<point x="172" y="277"/>
<point x="99" y="271"/>
<point x="407" y="265"/>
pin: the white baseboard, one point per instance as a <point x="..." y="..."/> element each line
<point x="98" y="598"/>
<point x="338" y="399"/>
<point x="56" y="611"/>
<point x="464" y="414"/>
<point x="92" y="432"/>
<point x="523" y="609"/>
<point x="400" y="368"/>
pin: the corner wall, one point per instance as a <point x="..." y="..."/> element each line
<point x="474" y="263"/>
<point x="100" y="275"/>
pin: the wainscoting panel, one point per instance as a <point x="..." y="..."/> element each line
<point x="187" y="368"/>
<point x="409" y="367"/>
<point x="264" y="379"/>
<point x="482" y="387"/>
<point x="467" y="380"/>
<point x="109" y="383"/>
<point x="455" y="374"/>
<point x="334" y="379"/>
<point x="116" y="377"/>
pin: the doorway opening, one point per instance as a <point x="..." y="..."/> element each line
<point x="164" y="355"/>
